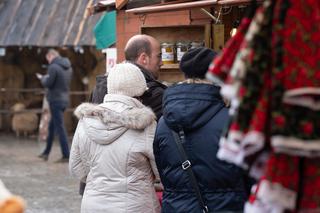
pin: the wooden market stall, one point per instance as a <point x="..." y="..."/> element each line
<point x="28" y="29"/>
<point x="193" y="22"/>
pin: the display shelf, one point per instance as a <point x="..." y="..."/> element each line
<point x="179" y="33"/>
<point x="174" y="34"/>
<point x="170" y="66"/>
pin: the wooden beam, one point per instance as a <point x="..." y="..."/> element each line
<point x="142" y="3"/>
<point x="81" y="25"/>
<point x="172" y="7"/>
<point x="121" y="3"/>
<point x="145" y="3"/>
<point x="186" y="6"/>
<point x="235" y="2"/>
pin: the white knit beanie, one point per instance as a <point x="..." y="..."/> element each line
<point x="126" y="79"/>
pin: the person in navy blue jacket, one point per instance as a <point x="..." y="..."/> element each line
<point x="195" y="105"/>
<point x="57" y="81"/>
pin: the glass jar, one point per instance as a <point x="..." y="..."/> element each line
<point x="196" y="44"/>
<point x="167" y="53"/>
<point x="182" y="48"/>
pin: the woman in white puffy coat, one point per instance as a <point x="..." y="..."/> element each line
<point x="112" y="148"/>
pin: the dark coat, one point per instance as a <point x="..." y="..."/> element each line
<point x="153" y="97"/>
<point x="57" y="80"/>
<point x="100" y="90"/>
<point x="200" y="111"/>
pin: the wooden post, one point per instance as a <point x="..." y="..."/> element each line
<point x="120" y="3"/>
<point x="218" y="36"/>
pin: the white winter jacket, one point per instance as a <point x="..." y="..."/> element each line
<point x="112" y="152"/>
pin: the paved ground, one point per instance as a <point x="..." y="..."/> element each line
<point x="46" y="186"/>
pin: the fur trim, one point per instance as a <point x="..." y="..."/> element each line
<point x="296" y="146"/>
<point x="276" y="195"/>
<point x="257" y="170"/>
<point x="134" y="118"/>
<point x="258" y="207"/>
<point x="253" y="142"/>
<point x="305" y="97"/>
<point x="230" y="151"/>
<point x="87" y="110"/>
<point x="238" y="146"/>
<point x="195" y="81"/>
<point x="214" y="79"/>
<point x="230" y="91"/>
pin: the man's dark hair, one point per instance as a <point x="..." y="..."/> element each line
<point x="136" y="47"/>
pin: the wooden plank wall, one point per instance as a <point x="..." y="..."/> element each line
<point x="17" y="76"/>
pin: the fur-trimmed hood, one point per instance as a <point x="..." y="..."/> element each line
<point x="106" y="122"/>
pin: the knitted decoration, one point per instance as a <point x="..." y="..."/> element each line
<point x="274" y="88"/>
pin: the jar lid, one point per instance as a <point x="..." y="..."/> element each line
<point x="197" y="42"/>
<point x="167" y="43"/>
<point x="183" y="42"/>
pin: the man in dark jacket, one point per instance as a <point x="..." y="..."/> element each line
<point x="143" y="51"/>
<point x="196" y="107"/>
<point x="57" y="81"/>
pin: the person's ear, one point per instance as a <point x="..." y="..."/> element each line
<point x="144" y="58"/>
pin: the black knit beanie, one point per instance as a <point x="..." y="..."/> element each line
<point x="195" y="62"/>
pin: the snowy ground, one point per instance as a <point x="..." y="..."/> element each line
<point x="46" y="186"/>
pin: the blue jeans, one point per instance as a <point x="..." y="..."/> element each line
<point x="56" y="125"/>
